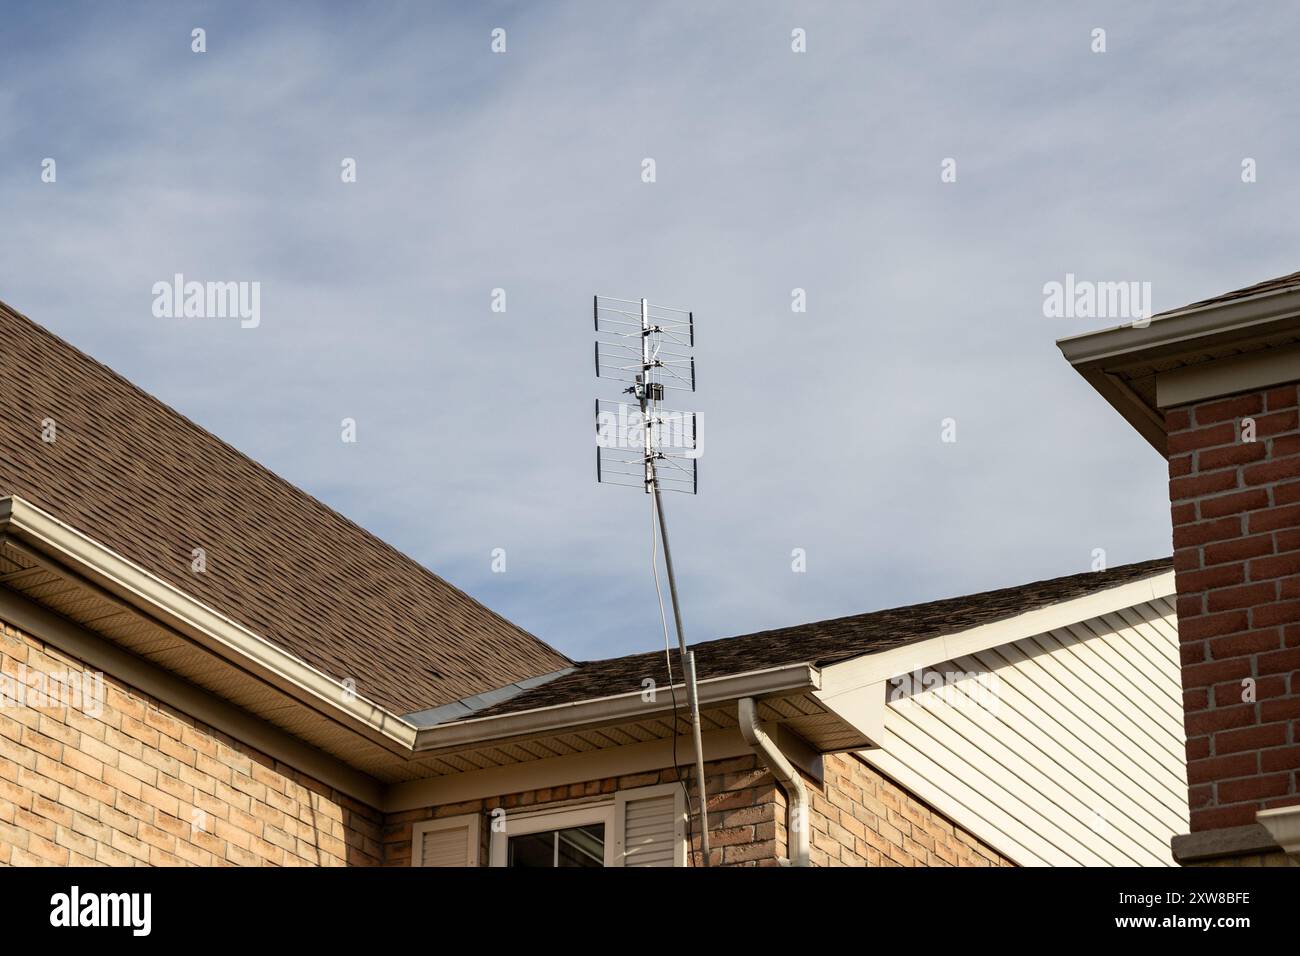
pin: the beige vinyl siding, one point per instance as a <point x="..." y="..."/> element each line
<point x="1081" y="760"/>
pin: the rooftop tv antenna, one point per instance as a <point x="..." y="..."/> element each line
<point x="654" y="448"/>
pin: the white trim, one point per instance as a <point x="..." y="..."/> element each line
<point x="65" y="545"/>
<point x="470" y="823"/>
<point x="553" y="818"/>
<point x="623" y="797"/>
<point x="1184" y="328"/>
<point x="787" y="678"/>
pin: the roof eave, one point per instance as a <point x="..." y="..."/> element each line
<point x="1097" y="356"/>
<point x="788" y="679"/>
<point x="76" y="555"/>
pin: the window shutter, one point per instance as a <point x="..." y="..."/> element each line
<point x="652" y="826"/>
<point x="445" y="843"/>
<point x="444" y="848"/>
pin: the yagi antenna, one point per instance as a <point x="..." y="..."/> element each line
<point x="639" y="441"/>
<point x="641" y="444"/>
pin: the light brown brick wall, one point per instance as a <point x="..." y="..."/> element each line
<point x="745" y="814"/>
<point x="144" y="784"/>
<point x="862" y="818"/>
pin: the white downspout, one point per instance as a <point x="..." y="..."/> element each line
<point x="796" y="794"/>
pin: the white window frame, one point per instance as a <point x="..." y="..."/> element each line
<point x="468" y="821"/>
<point x="560" y="818"/>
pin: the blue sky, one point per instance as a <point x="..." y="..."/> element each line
<point x="775" y="171"/>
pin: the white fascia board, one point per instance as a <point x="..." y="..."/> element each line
<point x="125" y="581"/>
<point x="228" y="639"/>
<point x="1182" y="328"/>
<point x="855" y="689"/>
<point x="790" y="678"/>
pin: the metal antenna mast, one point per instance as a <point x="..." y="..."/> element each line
<point x="668" y="444"/>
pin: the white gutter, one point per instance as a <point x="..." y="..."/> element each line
<point x="796" y="794"/>
<point x="1171" y="331"/>
<point x="789" y="678"/>
<point x="62" y="548"/>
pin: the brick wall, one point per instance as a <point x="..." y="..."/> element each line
<point x="141" y="784"/>
<point x="1236" y="517"/>
<point x="858" y="818"/>
<point x="862" y="818"/>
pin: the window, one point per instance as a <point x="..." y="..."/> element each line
<point x="570" y="836"/>
<point x="573" y="846"/>
<point x="641" y="827"/>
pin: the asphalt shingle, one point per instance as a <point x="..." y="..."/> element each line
<point x="145" y="481"/>
<point x="824" y="642"/>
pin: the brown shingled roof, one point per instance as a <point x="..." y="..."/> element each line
<point x="145" y="481"/>
<point x="825" y="642"/>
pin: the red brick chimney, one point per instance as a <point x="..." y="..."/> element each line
<point x="1214" y="388"/>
